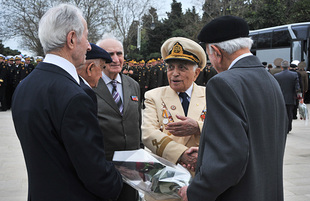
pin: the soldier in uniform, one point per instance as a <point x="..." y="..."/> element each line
<point x="3" y="82"/>
<point x="143" y="80"/>
<point x="9" y="86"/>
<point x="20" y="72"/>
<point x="153" y="83"/>
<point x="133" y="70"/>
<point x="205" y="75"/>
<point x="28" y="64"/>
<point x="39" y="59"/>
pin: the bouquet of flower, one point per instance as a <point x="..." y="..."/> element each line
<point x="151" y="174"/>
<point x="303" y="111"/>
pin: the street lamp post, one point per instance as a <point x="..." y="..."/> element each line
<point x="139" y="31"/>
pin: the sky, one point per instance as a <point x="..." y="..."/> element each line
<point x="162" y="7"/>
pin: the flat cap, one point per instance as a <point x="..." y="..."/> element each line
<point x="97" y="52"/>
<point x="277" y="61"/>
<point x="183" y="49"/>
<point x="302" y="65"/>
<point x="224" y="28"/>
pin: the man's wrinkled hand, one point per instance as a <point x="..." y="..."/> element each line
<point x="189" y="158"/>
<point x="183" y="193"/>
<point x="187" y="126"/>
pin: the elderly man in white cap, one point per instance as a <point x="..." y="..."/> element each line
<point x="178" y="108"/>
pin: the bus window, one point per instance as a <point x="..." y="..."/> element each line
<point x="281" y="38"/>
<point x="264" y="40"/>
<point x="301" y="31"/>
<point x="254" y="38"/>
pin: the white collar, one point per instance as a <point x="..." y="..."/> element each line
<point x="238" y="58"/>
<point x="188" y="91"/>
<point x="62" y="63"/>
<point x="85" y="81"/>
<point x="107" y="80"/>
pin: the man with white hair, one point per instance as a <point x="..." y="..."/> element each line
<point x="55" y="120"/>
<point x="119" y="108"/>
<point x="242" y="143"/>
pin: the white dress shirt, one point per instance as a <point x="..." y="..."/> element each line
<point x="62" y="63"/>
<point x="119" y="87"/>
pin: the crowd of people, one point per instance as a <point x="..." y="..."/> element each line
<point x="13" y="69"/>
<point x="149" y="74"/>
<point x="84" y="102"/>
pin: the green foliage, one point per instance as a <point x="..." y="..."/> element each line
<point x="127" y="17"/>
<point x="300" y="11"/>
<point x="270" y="13"/>
<point x="8" y="51"/>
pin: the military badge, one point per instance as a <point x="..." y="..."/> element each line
<point x="203" y="114"/>
<point x="167" y="116"/>
<point x="134" y="98"/>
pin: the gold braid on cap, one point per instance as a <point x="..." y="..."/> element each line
<point x="178" y="52"/>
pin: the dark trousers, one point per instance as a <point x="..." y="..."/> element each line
<point x="3" y="98"/>
<point x="128" y="194"/>
<point x="289" y="110"/>
<point x="295" y="109"/>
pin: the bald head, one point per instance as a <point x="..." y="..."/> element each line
<point x="115" y="48"/>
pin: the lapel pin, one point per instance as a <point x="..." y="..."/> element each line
<point x="134" y="98"/>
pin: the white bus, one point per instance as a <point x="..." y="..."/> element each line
<point x="289" y="42"/>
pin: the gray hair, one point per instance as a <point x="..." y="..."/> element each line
<point x="56" y="23"/>
<point x="285" y="64"/>
<point x="231" y="46"/>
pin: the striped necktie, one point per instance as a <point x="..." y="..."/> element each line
<point x="116" y="96"/>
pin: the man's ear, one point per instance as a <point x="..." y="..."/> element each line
<point x="89" y="68"/>
<point x="197" y="72"/>
<point x="71" y="39"/>
<point x="216" y="51"/>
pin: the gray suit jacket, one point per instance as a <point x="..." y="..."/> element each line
<point x="121" y="132"/>
<point x="289" y="83"/>
<point x="242" y="143"/>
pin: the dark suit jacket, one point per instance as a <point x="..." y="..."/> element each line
<point x="89" y="92"/>
<point x="243" y="139"/>
<point x="289" y="83"/>
<point x="61" y="139"/>
<point x="122" y="132"/>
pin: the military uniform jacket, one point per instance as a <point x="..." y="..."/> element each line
<point x="121" y="132"/>
<point x="3" y="74"/>
<point x="242" y="143"/>
<point x="155" y="137"/>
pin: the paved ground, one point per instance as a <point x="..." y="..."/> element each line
<point x="13" y="176"/>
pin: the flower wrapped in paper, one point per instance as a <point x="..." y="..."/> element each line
<point x="151" y="174"/>
<point x="303" y="111"/>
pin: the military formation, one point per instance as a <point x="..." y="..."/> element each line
<point x="149" y="74"/>
<point x="13" y="69"/>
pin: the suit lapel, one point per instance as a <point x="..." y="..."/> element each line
<point x="196" y="105"/>
<point x="55" y="69"/>
<point x="103" y="92"/>
<point x="126" y="92"/>
<point x="173" y="103"/>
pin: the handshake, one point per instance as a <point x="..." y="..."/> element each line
<point x="189" y="158"/>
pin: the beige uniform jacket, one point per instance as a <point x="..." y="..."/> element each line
<point x="158" y="103"/>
